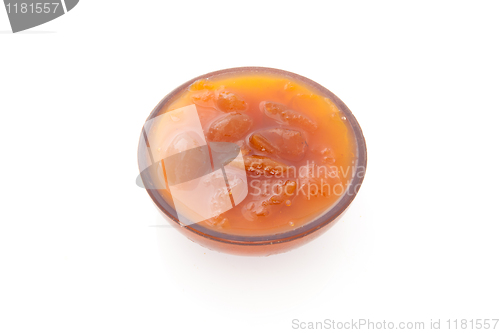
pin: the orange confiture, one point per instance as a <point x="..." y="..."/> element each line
<point x="298" y="149"/>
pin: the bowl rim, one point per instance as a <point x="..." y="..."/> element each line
<point x="320" y="222"/>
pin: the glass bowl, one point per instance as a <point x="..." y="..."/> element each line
<point x="256" y="245"/>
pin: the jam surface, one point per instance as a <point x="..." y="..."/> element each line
<point x="298" y="150"/>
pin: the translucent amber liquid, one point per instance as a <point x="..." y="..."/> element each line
<point x="328" y="148"/>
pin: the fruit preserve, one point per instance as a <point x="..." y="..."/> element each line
<point x="251" y="153"/>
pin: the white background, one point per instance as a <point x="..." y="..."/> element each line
<point x="420" y="242"/>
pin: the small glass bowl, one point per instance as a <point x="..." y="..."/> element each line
<point x="269" y="244"/>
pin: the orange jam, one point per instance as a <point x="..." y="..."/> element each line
<point x="298" y="149"/>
